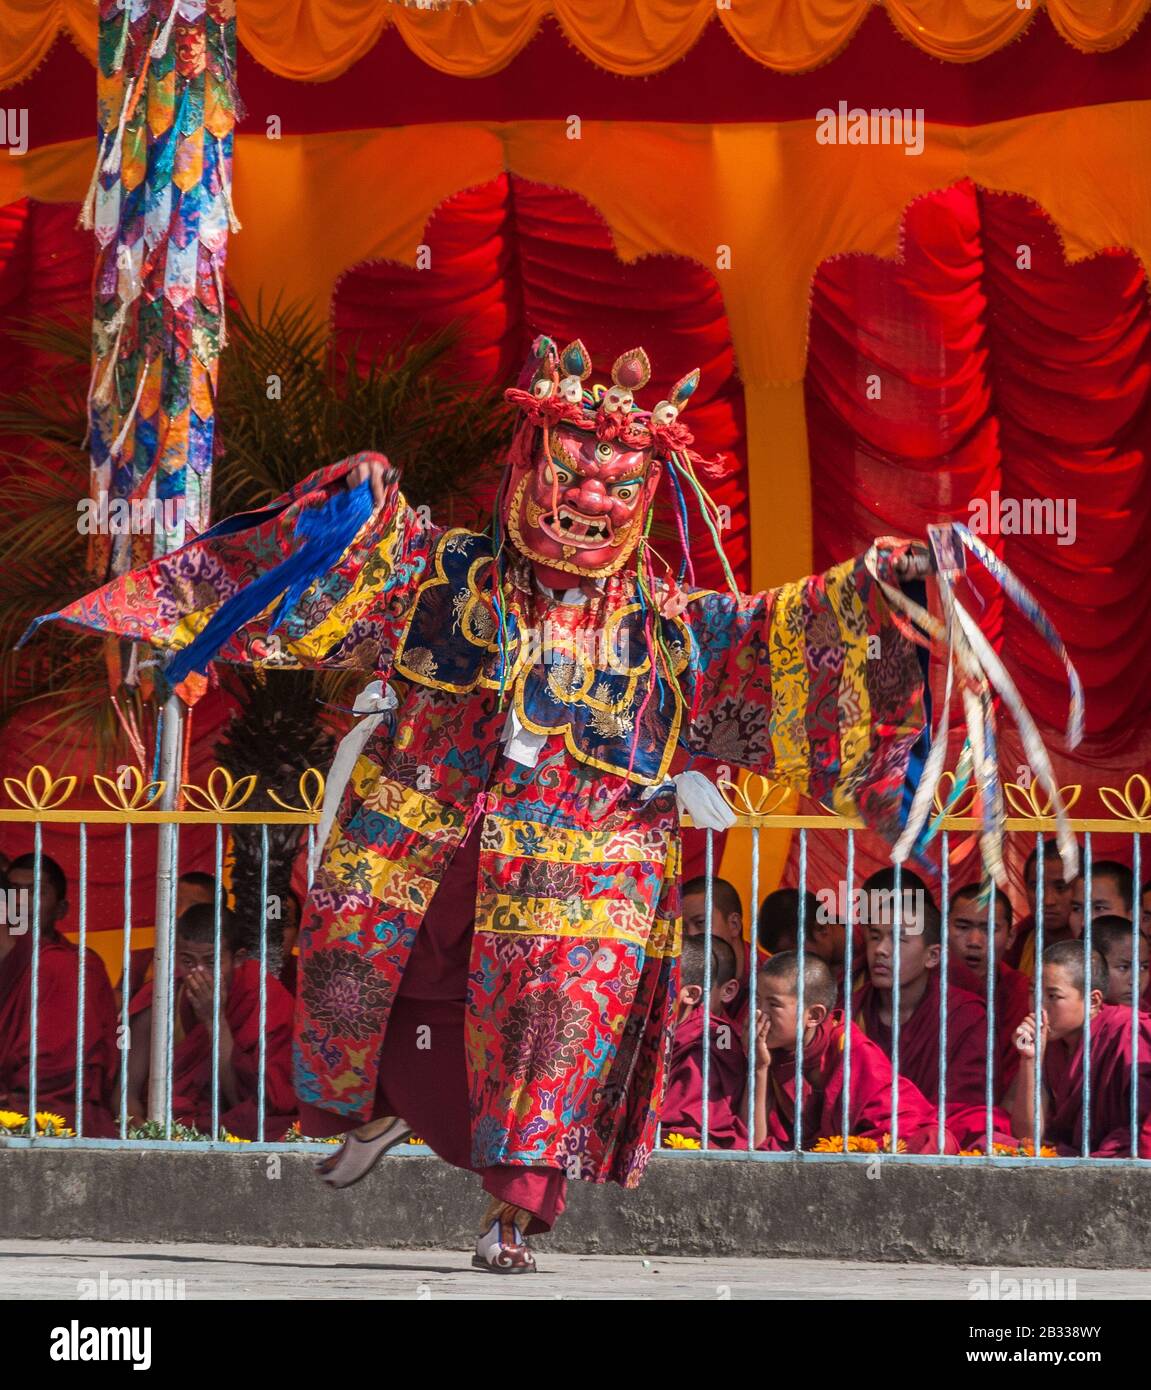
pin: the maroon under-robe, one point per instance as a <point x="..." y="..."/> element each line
<point x="1111" y="1055"/>
<point x="682" y="1111"/>
<point x="869" y="1097"/>
<point x="57" y="1034"/>
<point x="428" y="1084"/>
<point x="966" y="1111"/>
<point x="192" y="1058"/>
<point x="1014" y="1000"/>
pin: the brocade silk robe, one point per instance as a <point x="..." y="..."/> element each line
<point x="574" y="966"/>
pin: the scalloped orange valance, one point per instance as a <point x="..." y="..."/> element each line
<point x="317" y="40"/>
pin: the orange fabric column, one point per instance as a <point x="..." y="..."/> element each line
<point x="779" y="483"/>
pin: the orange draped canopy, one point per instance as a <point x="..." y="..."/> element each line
<point x="317" y="40"/>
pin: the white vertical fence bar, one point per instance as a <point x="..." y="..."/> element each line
<point x="216" y="937"/>
<point x="989" y="1074"/>
<point x="262" y="1064"/>
<point x="160" y="1042"/>
<point x="708" y="895"/>
<point x="126" y="980"/>
<point x="752" y="986"/>
<point x="82" y="982"/>
<point x="1037" y="994"/>
<point x="800" y="999"/>
<point x="896" y="933"/>
<point x="169" y="934"/>
<point x="1087" y="982"/>
<point x="945" y="976"/>
<point x="1136" y="954"/>
<point x="34" y="1021"/>
<point x="848" y="963"/>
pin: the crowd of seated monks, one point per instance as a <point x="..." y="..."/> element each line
<point x="112" y="1059"/>
<point x="751" y="1051"/>
<point x="848" y="1038"/>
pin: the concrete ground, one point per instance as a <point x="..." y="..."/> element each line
<point x="48" y="1269"/>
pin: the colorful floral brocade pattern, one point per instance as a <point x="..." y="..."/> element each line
<point x="573" y="968"/>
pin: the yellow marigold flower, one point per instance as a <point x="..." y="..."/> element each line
<point x="45" y="1119"/>
<point x="234" y="1139"/>
<point x="886" y="1145"/>
<point x="856" y="1143"/>
<point x="679" y="1141"/>
<point x="12" y="1119"/>
<point x="1027" y="1150"/>
<point x="413" y="1140"/>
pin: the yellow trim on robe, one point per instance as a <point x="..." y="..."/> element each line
<point x="789" y="687"/>
<point x="854" y="703"/>
<point x="564" y="845"/>
<point x="609" y="919"/>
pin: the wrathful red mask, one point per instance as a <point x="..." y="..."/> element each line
<point x="578" y="507"/>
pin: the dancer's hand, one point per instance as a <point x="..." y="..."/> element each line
<point x="915" y="562"/>
<point x="762" y="1055"/>
<point x="1025" y="1035"/>
<point x="670" y="599"/>
<point x="379" y="470"/>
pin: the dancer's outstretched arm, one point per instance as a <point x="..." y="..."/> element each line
<point x="321" y="577"/>
<point x="813" y="684"/>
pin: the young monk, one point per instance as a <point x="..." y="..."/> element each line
<point x="920" y="1005"/>
<point x="682" y="1111"/>
<point x="1111" y="937"/>
<point x="824" y="1033"/>
<point x="57" y="1030"/>
<point x="239" y="1035"/>
<point x="1058" y="1039"/>
<point x="777" y="927"/>
<point x="967" y="933"/>
<point x="1112" y="894"/>
<point x="192" y="887"/>
<point x="1057" y="898"/>
<point x="726" y="925"/>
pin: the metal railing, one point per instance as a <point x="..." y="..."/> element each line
<point x="40" y="799"/>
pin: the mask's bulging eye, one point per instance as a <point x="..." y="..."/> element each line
<point x="626" y="492"/>
<point x="604" y="451"/>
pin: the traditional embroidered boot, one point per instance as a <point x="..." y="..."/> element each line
<point x="501" y="1246"/>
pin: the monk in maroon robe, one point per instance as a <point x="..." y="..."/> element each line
<point x="726" y="925"/>
<point x="239" y="1038"/>
<point x="682" y="1111"/>
<point x="1112" y="936"/>
<point x="825" y="1033"/>
<point x="1057" y="892"/>
<point x="920" y="1010"/>
<point x="967" y="968"/>
<point x="1060" y="1042"/>
<point x="57" y="1009"/>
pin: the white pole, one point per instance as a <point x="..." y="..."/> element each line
<point x="171" y="750"/>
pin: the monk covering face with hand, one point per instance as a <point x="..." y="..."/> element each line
<point x="682" y="1111"/>
<point x="232" y="1027"/>
<point x="1056" y="1041"/>
<point x="778" y="1025"/>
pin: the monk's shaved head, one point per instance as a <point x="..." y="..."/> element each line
<point x="694" y="959"/>
<point x="782" y="970"/>
<point x="1109" y="932"/>
<point x="198" y="924"/>
<point x="1070" y="957"/>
